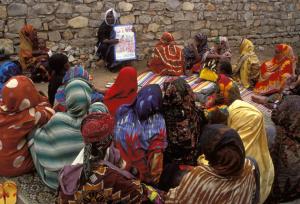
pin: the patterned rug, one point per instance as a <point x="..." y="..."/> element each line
<point x="31" y="190"/>
<point x="152" y="78"/>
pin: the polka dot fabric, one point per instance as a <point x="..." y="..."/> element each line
<point x="21" y="110"/>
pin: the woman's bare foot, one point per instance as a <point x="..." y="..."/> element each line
<point x="259" y="99"/>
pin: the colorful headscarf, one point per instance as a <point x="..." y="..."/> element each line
<point x="28" y="42"/>
<point x="141" y="131"/>
<point x="7" y="70"/>
<point x="224" y="149"/>
<point x="166" y="39"/>
<point x="77" y="72"/>
<point x="184" y="121"/>
<point x="123" y="91"/>
<point x="203" y="46"/>
<point x="78" y="98"/>
<point x="97" y="128"/>
<point x="21" y="111"/>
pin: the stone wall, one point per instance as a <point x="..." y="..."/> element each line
<point x="75" y="22"/>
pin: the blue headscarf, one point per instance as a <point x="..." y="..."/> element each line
<point x="7" y="70"/>
<point x="141" y="119"/>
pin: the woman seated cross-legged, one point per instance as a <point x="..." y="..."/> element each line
<point x="229" y="177"/>
<point x="167" y="57"/>
<point x="57" y="143"/>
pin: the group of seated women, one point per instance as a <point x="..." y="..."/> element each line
<point x="146" y="146"/>
<point x="157" y="145"/>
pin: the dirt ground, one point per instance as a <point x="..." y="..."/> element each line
<point x="101" y="76"/>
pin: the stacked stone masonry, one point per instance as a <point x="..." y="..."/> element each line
<point x="75" y="22"/>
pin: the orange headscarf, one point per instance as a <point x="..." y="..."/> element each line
<point x="28" y="42"/>
<point x="22" y="109"/>
<point x="124" y="90"/>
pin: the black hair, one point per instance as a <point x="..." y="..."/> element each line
<point x="226" y="68"/>
<point x="57" y="62"/>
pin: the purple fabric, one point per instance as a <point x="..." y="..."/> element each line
<point x="69" y="178"/>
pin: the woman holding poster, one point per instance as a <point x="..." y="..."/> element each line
<point x="106" y="38"/>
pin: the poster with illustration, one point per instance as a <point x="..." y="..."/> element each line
<point x="125" y="49"/>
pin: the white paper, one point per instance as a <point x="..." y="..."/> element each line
<point x="125" y="49"/>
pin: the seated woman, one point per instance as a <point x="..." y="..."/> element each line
<point x="8" y="69"/>
<point x="274" y="73"/>
<point x="229" y="177"/>
<point x="58" y="142"/>
<point x="123" y="91"/>
<point x="21" y="111"/>
<point x="107" y="39"/>
<point x="58" y="66"/>
<point x="195" y="54"/>
<point x="167" y="57"/>
<point x="140" y="134"/>
<point x="79" y="73"/>
<point x="286" y="151"/>
<point x="248" y="121"/>
<point x="184" y="122"/>
<point x="97" y="180"/>
<point x="216" y="99"/>
<point x="247" y="68"/>
<point x="32" y="57"/>
<point x="220" y="51"/>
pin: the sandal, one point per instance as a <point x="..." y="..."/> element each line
<point x="10" y="190"/>
<point x="2" y="196"/>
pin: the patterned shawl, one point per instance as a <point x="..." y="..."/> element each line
<point x="184" y="122"/>
<point x="140" y="133"/>
<point x="167" y="58"/>
<point x="235" y="178"/>
<point x="286" y="150"/>
<point x="52" y="147"/>
<point x="22" y="110"/>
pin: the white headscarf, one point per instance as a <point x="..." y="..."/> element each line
<point x="115" y="14"/>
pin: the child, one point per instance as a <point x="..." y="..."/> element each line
<point x="59" y="65"/>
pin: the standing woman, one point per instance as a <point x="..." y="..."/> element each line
<point x="106" y="38"/>
<point x="123" y="91"/>
<point x="184" y="122"/>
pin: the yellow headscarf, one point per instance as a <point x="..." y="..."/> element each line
<point x="244" y="65"/>
<point x="248" y="121"/>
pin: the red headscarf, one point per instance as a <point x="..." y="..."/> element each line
<point x="124" y="90"/>
<point x="97" y="127"/>
<point x="21" y="110"/>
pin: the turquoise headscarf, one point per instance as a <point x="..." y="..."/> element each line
<point x="78" y="98"/>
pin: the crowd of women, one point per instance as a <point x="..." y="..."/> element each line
<point x="154" y="145"/>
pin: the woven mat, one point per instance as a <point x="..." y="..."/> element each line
<point x="31" y="190"/>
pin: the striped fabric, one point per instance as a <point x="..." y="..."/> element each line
<point x="58" y="142"/>
<point x="152" y="78"/>
<point x="203" y="185"/>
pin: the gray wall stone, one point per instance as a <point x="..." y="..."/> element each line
<point x="75" y="22"/>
